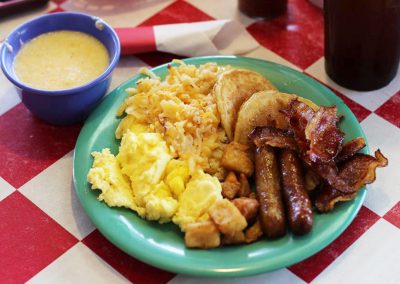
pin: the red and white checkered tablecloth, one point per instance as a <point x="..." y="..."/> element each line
<point x="45" y="236"/>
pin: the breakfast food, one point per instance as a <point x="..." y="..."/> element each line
<point x="297" y="201"/>
<point x="263" y="108"/>
<point x="181" y="109"/>
<point x="236" y="157"/>
<point x="61" y="60"/>
<point x="337" y="169"/>
<point x="268" y="188"/>
<point x="319" y="141"/>
<point x="177" y="163"/>
<point x="171" y="146"/>
<point x="232" y="89"/>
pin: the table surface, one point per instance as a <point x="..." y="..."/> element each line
<point x="45" y="235"/>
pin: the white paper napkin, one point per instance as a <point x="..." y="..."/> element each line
<point x="204" y="38"/>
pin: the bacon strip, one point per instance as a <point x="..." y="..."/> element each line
<point x="329" y="172"/>
<point x="349" y="149"/>
<point x="298" y="115"/>
<point x="361" y="169"/>
<point x="320" y="142"/>
<point x="316" y="133"/>
<point x="324" y="135"/>
<point x="354" y="174"/>
<point x="277" y="138"/>
<point x="329" y="196"/>
<point x="357" y="172"/>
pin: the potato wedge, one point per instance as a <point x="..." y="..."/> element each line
<point x="232" y="89"/>
<point x="263" y="109"/>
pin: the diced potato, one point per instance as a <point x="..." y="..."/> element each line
<point x="227" y="217"/>
<point x="231" y="186"/>
<point x="253" y="233"/>
<point x="237" y="157"/>
<point x="245" y="189"/>
<point x="202" y="235"/>
<point x="247" y="206"/>
<point x="234" y="239"/>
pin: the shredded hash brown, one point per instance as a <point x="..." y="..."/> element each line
<point x="183" y="110"/>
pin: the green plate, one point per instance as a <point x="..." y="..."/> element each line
<point x="163" y="245"/>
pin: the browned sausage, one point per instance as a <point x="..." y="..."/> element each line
<point x="296" y="198"/>
<point x="272" y="214"/>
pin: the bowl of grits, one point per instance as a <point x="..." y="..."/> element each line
<point x="61" y="64"/>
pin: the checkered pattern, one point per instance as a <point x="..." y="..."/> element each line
<point x="45" y="236"/>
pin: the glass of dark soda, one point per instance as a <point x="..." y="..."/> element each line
<point x="362" y="42"/>
<point x="266" y="9"/>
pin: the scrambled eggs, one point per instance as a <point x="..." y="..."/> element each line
<point x="154" y="173"/>
<point x="143" y="158"/>
<point x="201" y="192"/>
<point x="145" y="178"/>
<point x="107" y="176"/>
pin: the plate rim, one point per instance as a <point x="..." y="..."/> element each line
<point x="170" y="266"/>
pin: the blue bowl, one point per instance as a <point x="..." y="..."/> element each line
<point x="67" y="106"/>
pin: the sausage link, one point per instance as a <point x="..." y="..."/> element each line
<point x="295" y="196"/>
<point x="268" y="189"/>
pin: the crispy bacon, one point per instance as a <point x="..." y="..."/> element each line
<point x="324" y="135"/>
<point x="329" y="196"/>
<point x="360" y="169"/>
<point x="328" y="172"/>
<point x="320" y="143"/>
<point x="353" y="174"/>
<point x="298" y="115"/>
<point x="349" y="149"/>
<point x="336" y="167"/>
<point x="316" y="132"/>
<point x="273" y="137"/>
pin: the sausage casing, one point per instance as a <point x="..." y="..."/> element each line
<point x="268" y="189"/>
<point x="295" y="196"/>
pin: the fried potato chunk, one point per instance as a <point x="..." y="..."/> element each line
<point x="231" y="186"/>
<point x="234" y="238"/>
<point x="227" y="217"/>
<point x="237" y="157"/>
<point x="253" y="233"/>
<point x="202" y="235"/>
<point x="247" y="206"/>
<point x="245" y="189"/>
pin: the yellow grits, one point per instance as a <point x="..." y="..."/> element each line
<point x="61" y="60"/>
